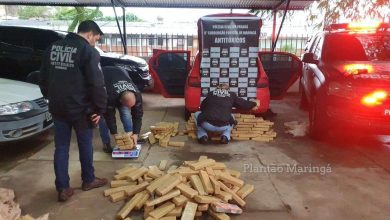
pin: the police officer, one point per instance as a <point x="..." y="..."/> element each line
<point x="215" y="113"/>
<point x="122" y="94"/>
<point x="72" y="80"/>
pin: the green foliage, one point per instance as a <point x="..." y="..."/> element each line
<point x="73" y="14"/>
<point x="27" y="12"/>
<point x="77" y="15"/>
<point x="69" y="13"/>
<point x="267" y="15"/>
<point x="64" y="13"/>
<point x="326" y="12"/>
<point x="130" y="17"/>
<point x="322" y="13"/>
<point x="289" y="48"/>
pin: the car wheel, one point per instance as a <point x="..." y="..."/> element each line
<point x="187" y="114"/>
<point x="318" y="123"/>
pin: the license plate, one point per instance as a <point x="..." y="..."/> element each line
<point x="387" y="112"/>
<point x="48" y="116"/>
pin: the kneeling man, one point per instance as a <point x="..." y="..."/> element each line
<point x="215" y="113"/>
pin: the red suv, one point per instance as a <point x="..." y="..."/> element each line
<point x="231" y="55"/>
<point x="346" y="78"/>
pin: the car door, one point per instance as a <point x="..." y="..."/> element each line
<point x="305" y="71"/>
<point x="314" y="75"/>
<point x="169" y="70"/>
<point x="282" y="69"/>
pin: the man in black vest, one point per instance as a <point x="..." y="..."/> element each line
<point x="215" y="113"/>
<point x="122" y="95"/>
<point x="72" y="80"/>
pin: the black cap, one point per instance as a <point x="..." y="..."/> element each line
<point x="89" y="25"/>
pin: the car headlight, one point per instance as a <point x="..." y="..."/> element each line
<point x="15" y="108"/>
<point x="144" y="68"/>
<point x="340" y="89"/>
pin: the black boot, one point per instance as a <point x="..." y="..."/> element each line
<point x="224" y="140"/>
<point x="107" y="148"/>
<point x="203" y="140"/>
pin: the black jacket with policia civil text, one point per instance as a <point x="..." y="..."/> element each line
<point x="72" y="80"/>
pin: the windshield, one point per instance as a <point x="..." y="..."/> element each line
<point x="99" y="50"/>
<point x="359" y="47"/>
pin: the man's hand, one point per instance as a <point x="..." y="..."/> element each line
<point x="135" y="139"/>
<point x="257" y="104"/>
<point x="95" y="118"/>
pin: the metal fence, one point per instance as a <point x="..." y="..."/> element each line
<point x="142" y="45"/>
<point x="294" y="44"/>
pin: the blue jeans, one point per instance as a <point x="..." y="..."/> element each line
<point x="125" y="115"/>
<point x="63" y="133"/>
<point x="207" y="127"/>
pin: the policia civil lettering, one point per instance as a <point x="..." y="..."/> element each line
<point x="62" y="57"/>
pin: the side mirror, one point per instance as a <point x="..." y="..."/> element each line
<point x="309" y="58"/>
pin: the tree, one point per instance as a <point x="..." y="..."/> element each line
<point x="326" y="12"/>
<point x="27" y="12"/>
<point x="77" y="15"/>
<point x="267" y="14"/>
<point x="130" y="17"/>
<point x="322" y="13"/>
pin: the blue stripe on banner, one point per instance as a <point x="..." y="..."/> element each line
<point x="252" y="90"/>
<point x="243" y="80"/>
<point x="215" y="50"/>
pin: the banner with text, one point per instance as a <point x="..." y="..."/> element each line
<point x="230" y="48"/>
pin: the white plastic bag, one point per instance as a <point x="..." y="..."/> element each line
<point x="297" y="129"/>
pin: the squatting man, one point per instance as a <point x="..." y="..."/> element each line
<point x="216" y="116"/>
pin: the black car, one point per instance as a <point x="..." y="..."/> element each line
<point x="346" y="79"/>
<point x="21" y="50"/>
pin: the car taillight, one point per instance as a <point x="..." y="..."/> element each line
<point x="262" y="83"/>
<point x="194" y="81"/>
<point x="374" y="99"/>
<point x="356" y="69"/>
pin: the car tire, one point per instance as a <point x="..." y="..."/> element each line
<point x="187" y="114"/>
<point x="318" y="122"/>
